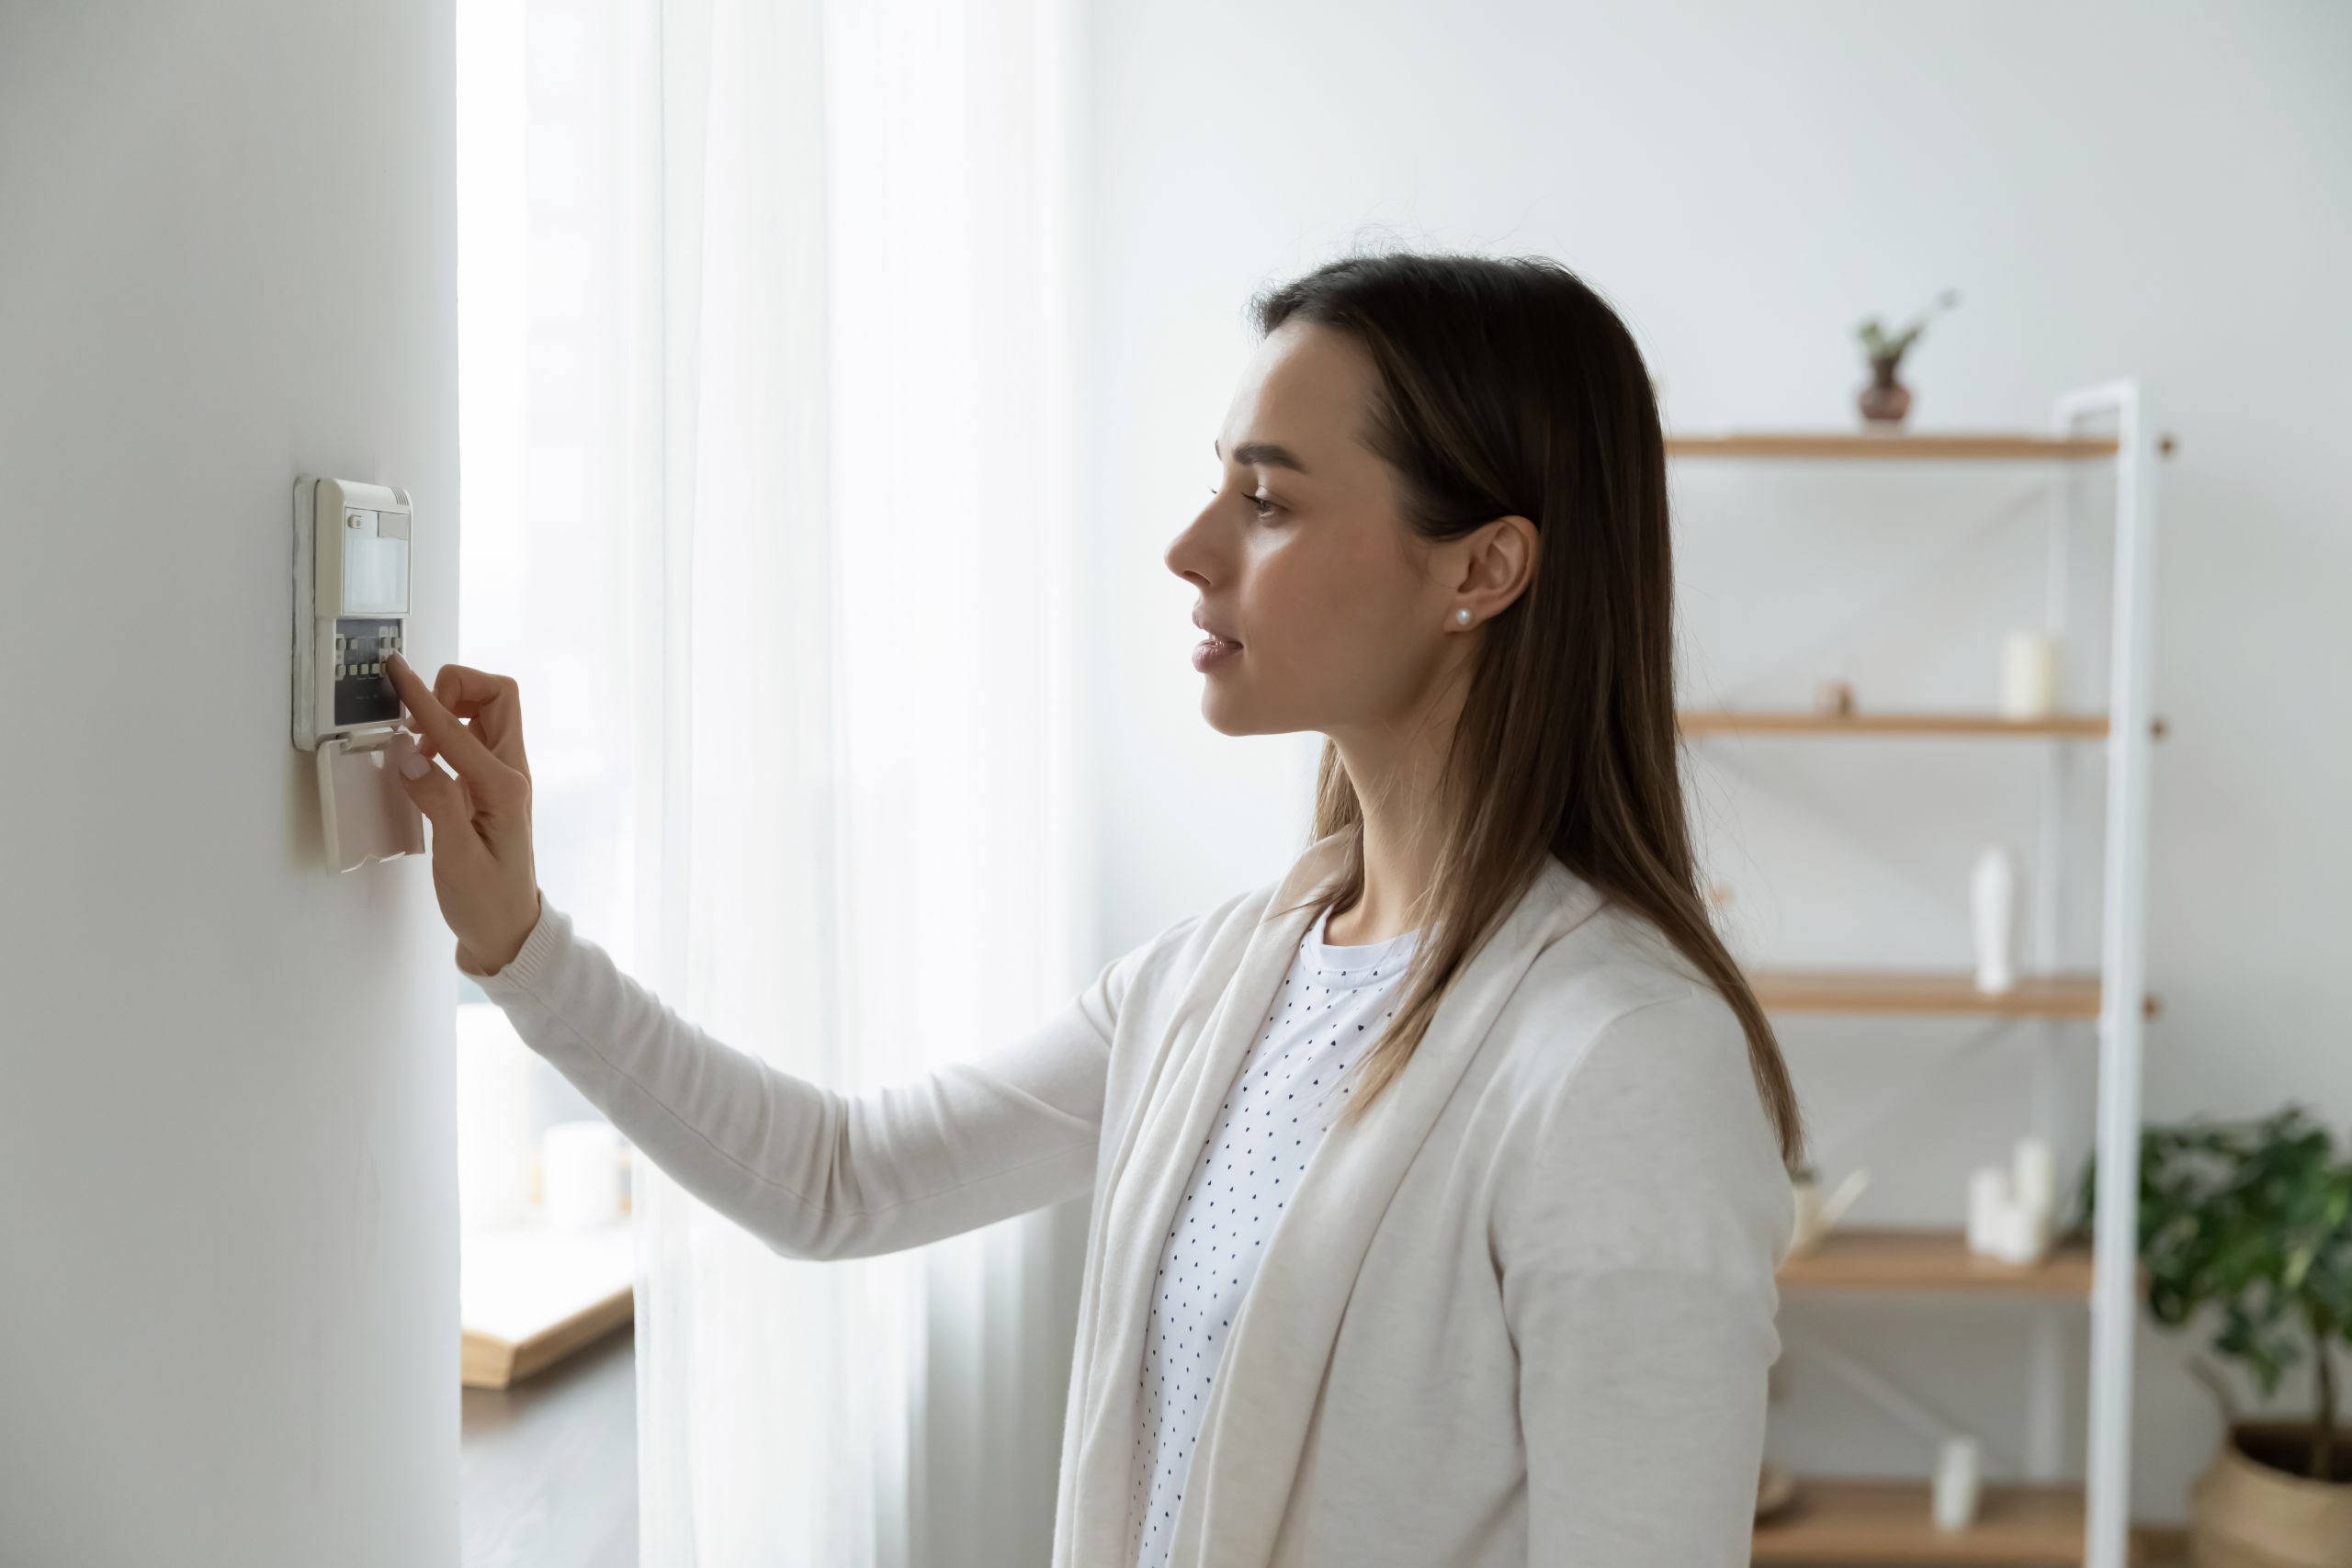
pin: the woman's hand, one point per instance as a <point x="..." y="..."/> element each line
<point x="482" y="869"/>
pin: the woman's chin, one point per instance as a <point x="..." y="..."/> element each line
<point x="1225" y="715"/>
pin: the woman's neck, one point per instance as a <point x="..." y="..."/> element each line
<point x="1394" y="787"/>
<point x="1393" y="881"/>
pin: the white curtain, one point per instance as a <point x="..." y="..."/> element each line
<point x="798" y="363"/>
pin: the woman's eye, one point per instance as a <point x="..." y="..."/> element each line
<point x="1266" y="504"/>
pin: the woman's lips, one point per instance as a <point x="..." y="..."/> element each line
<point x="1212" y="652"/>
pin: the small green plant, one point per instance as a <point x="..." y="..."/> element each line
<point x="2256" y="1218"/>
<point x="1883" y="349"/>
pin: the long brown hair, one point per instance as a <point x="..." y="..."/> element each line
<point x="1506" y="385"/>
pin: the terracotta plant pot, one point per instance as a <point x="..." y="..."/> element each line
<point x="1886" y="400"/>
<point x="2257" y="1507"/>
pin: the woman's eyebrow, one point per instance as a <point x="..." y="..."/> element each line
<point x="1261" y="455"/>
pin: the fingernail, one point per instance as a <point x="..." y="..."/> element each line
<point x="413" y="764"/>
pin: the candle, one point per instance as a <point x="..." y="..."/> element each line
<point x="1959" y="1464"/>
<point x="2022" y="1235"/>
<point x="2029" y="674"/>
<point x="580" y="1163"/>
<point x="1988" y="1195"/>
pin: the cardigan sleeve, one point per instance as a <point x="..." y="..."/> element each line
<point x="810" y="1171"/>
<point x="1638" y="1238"/>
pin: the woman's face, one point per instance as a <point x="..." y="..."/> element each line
<point x="1344" y="616"/>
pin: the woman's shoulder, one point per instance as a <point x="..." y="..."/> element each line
<point x="1614" y="963"/>
<point x="1628" y="1112"/>
<point x="1614" y="1018"/>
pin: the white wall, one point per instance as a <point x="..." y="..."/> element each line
<point x="228" y="1243"/>
<point x="2155" y="191"/>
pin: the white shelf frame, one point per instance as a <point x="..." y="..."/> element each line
<point x="2114" y="1306"/>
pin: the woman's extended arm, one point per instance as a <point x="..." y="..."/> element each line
<point x="812" y="1172"/>
<point x="1638" y="1241"/>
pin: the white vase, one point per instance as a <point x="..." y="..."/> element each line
<point x="1994" y="905"/>
<point x="1959" y="1470"/>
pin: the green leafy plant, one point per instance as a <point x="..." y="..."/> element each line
<point x="1884" y="349"/>
<point x="2254" y="1218"/>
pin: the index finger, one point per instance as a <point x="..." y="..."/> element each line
<point x="451" y="736"/>
<point x="492" y="704"/>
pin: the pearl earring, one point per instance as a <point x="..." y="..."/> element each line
<point x="1461" y="616"/>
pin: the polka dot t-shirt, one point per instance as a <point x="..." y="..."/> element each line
<point x="1330" y="1010"/>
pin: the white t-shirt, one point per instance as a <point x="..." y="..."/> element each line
<point x="1330" y="1010"/>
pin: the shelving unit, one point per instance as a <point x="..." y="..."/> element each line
<point x="1886" y="1521"/>
<point x="1939" y="995"/>
<point x="1999" y="446"/>
<point x="2041" y="1521"/>
<point x="1720" y="721"/>
<point x="1914" y="1258"/>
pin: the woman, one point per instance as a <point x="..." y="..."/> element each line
<point x="1470" y="1110"/>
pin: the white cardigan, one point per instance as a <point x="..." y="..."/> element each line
<point x="1520" y="1314"/>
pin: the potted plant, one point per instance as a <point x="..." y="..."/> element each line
<point x="1886" y="400"/>
<point x="2254" y="1218"/>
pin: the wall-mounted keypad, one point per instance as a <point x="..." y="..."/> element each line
<point x="363" y="692"/>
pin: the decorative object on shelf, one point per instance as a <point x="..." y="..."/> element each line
<point x="1734" y="928"/>
<point x="1835" y="697"/>
<point x="1720" y="895"/>
<point x="2012" y="1209"/>
<point x="1960" y="1464"/>
<point x="1886" y="400"/>
<point x="583" y="1167"/>
<point x="2029" y="675"/>
<point x="2021" y="1233"/>
<point x="1816" y="1215"/>
<point x="2254" y="1218"/>
<point x="1775" y="1487"/>
<point x="1994" y="904"/>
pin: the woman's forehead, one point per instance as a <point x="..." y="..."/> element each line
<point x="1299" y="406"/>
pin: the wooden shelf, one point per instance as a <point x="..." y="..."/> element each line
<point x="1976" y="446"/>
<point x="1835" y="1520"/>
<point x="1798" y="721"/>
<point x="1860" y="1259"/>
<point x="1893" y="991"/>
